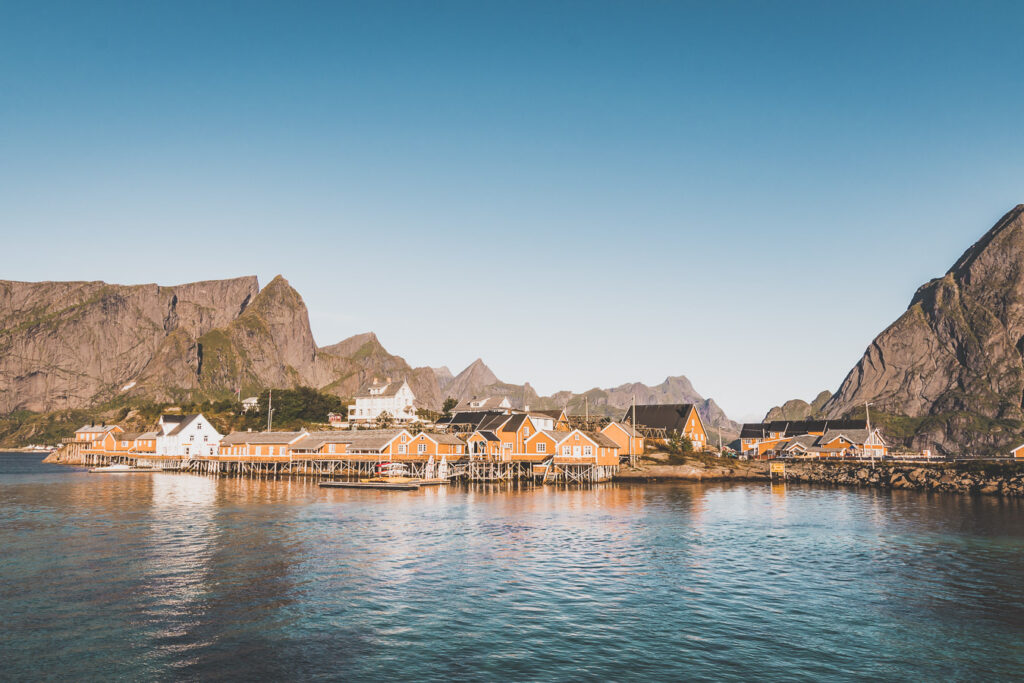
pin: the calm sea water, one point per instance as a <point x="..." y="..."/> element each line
<point x="173" y="576"/>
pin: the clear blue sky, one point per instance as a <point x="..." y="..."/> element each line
<point x="581" y="193"/>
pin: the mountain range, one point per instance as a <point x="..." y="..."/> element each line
<point x="948" y="374"/>
<point x="66" y="345"/>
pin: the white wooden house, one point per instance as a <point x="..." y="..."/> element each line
<point x="375" y="398"/>
<point x="187" y="436"/>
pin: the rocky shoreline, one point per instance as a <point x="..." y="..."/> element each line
<point x="971" y="478"/>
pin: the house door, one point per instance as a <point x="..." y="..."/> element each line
<point x="577" y="451"/>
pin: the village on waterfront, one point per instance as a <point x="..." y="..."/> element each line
<point x="478" y="439"/>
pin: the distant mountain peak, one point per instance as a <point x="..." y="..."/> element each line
<point x="473" y="381"/>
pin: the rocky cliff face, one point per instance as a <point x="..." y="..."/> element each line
<point x="798" y="409"/>
<point x="71" y="344"/>
<point x="953" y="361"/>
<point x="443" y="376"/>
<point x="66" y="345"/>
<point x="357" y="360"/>
<point x="77" y="344"/>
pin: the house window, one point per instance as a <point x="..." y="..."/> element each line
<point x="330" y="448"/>
<point x="205" y="438"/>
<point x="588" y="450"/>
<point x="404" y="438"/>
<point x="576" y="438"/>
<point x="566" y="450"/>
<point x="526" y="431"/>
<point x="421" y="448"/>
<point x="192" y="437"/>
<point x="402" y="449"/>
<point x="542" y="447"/>
<point x="507" y="446"/>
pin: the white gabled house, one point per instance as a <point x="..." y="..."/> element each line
<point x="375" y="398"/>
<point x="187" y="436"/>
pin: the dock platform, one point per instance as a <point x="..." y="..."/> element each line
<point x="383" y="485"/>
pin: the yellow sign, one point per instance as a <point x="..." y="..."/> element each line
<point x="778" y="467"/>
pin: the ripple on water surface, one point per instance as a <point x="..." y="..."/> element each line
<point x="170" y="576"/>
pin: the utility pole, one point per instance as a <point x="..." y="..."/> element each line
<point x="632" y="438"/>
<point x="270" y="408"/>
<point x="867" y="417"/>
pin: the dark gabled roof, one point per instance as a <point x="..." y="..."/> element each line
<point x="171" y="419"/>
<point x="472" y="418"/>
<point x="754" y="430"/>
<point x="555" y="414"/>
<point x="514" y="423"/>
<point x="489" y="436"/>
<point x="493" y="422"/>
<point x="185" y="422"/>
<point x="671" y="417"/>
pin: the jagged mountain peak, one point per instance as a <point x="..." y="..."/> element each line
<point x="473" y="381"/>
<point x="352" y="345"/>
<point x="1005" y="236"/>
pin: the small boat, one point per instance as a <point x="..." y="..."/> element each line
<point x="392" y="469"/>
<point x="121" y="469"/>
<point x="383" y="484"/>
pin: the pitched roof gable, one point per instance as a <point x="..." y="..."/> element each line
<point x="188" y="419"/>
<point x="672" y="417"/>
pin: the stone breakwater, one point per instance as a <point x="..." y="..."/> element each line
<point x="979" y="478"/>
<point x="1006" y="480"/>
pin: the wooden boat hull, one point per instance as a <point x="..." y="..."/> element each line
<point x="382" y="485"/>
<point x="100" y="470"/>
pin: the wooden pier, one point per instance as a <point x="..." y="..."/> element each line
<point x="352" y="467"/>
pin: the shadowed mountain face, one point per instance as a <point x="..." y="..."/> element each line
<point x="78" y="344"/>
<point x="953" y="361"/>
